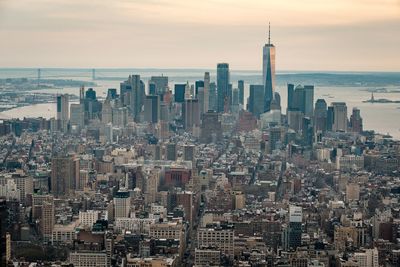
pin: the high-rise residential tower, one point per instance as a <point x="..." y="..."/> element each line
<point x="268" y="71"/>
<point x="222" y="86"/>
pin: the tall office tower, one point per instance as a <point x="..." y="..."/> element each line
<point x="122" y="204"/>
<point x="211" y="128"/>
<point x="295" y="120"/>
<point x="268" y="71"/>
<point x="152" y="108"/>
<point x="256" y="100"/>
<point x="125" y="93"/>
<point x="308" y="100"/>
<point x="290" y="98"/>
<point x="180" y="91"/>
<point x="47" y="219"/>
<point x="63" y="111"/>
<point x="82" y="94"/>
<point x="188" y="93"/>
<point x="241" y="92"/>
<point x="135" y="97"/>
<point x="160" y="84"/>
<point x="106" y="112"/>
<point x="90" y="94"/>
<point x="112" y="93"/>
<point x="356" y="122"/>
<point x="320" y="116"/>
<point x="152" y="89"/>
<point x="330" y="115"/>
<point x="235" y="101"/>
<point x="198" y="84"/>
<point x="92" y="105"/>
<point x="298" y="99"/>
<point x="213" y="97"/>
<point x="77" y="118"/>
<point x="164" y="112"/>
<point x="64" y="174"/>
<point x="339" y="117"/>
<point x="120" y="117"/>
<point x="171" y="151"/>
<point x="191" y="114"/>
<point x="222" y="86"/>
<point x="206" y="101"/>
<point x="308" y="131"/>
<point x="200" y="98"/>
<point x="293" y="236"/>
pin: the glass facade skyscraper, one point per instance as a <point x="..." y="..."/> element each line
<point x="222" y="86"/>
<point x="268" y="72"/>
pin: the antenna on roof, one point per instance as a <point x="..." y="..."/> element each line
<point x="269" y="33"/>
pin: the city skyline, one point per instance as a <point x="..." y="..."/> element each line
<point x="343" y="35"/>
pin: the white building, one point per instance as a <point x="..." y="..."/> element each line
<point x="88" y="218"/>
<point x="222" y="239"/>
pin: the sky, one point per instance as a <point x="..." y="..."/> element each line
<point x="335" y="35"/>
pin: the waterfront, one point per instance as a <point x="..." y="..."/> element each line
<point x="381" y="117"/>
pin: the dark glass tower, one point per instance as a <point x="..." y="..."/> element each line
<point x="268" y="71"/>
<point x="222" y="86"/>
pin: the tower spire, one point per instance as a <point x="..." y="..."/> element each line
<point x="269" y="33"/>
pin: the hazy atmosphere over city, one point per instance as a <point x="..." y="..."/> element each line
<point x="156" y="133"/>
<point x="358" y="35"/>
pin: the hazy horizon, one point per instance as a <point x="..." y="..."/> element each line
<point x="332" y="35"/>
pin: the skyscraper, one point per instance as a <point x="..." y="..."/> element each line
<point x="77" y="115"/>
<point x="122" y="204"/>
<point x="106" y="112"/>
<point x="329" y="118"/>
<point x="135" y="103"/>
<point x="222" y="86"/>
<point x="235" y="100"/>
<point x="356" y="122"/>
<point x="241" y="91"/>
<point x="290" y="96"/>
<point x="256" y="100"/>
<point x="291" y="236"/>
<point x="308" y="100"/>
<point x="160" y="84"/>
<point x="191" y="114"/>
<point x="339" y="117"/>
<point x="320" y="116"/>
<point x="198" y="84"/>
<point x="268" y="71"/>
<point x="212" y="99"/>
<point x="63" y="111"/>
<point x="152" y="108"/>
<point x="206" y="91"/>
<point x="211" y="128"/>
<point x="64" y="174"/>
<point x="179" y="95"/>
